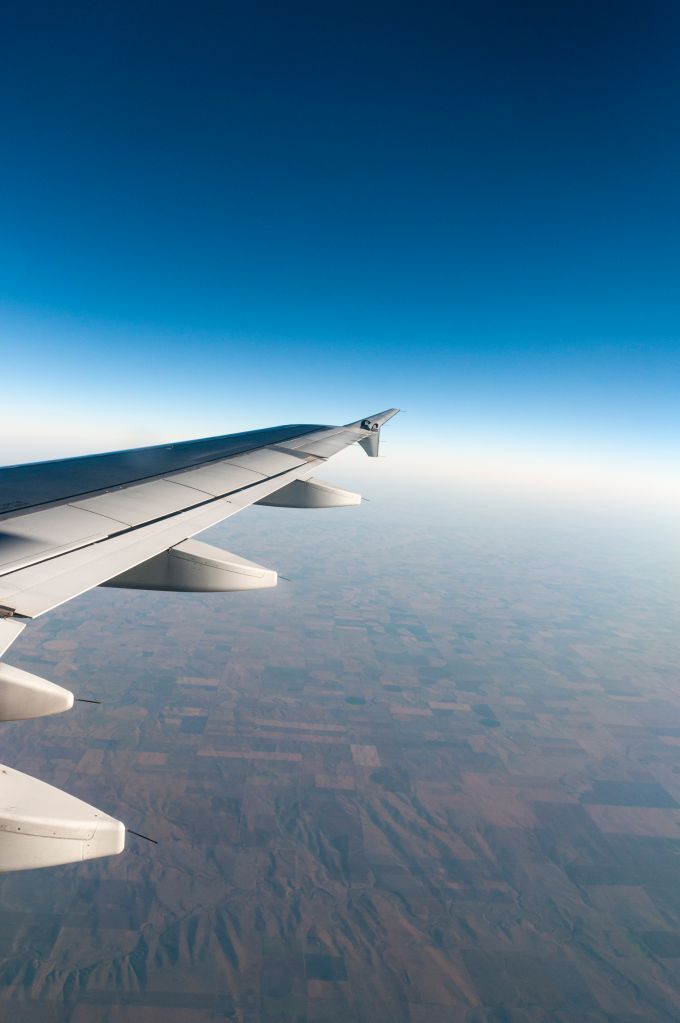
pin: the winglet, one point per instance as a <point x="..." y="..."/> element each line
<point x="371" y="444"/>
<point x="9" y="630"/>
<point x="369" y="430"/>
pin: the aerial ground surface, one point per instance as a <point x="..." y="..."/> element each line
<point x="435" y="777"/>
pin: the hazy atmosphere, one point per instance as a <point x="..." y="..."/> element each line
<point x="434" y="775"/>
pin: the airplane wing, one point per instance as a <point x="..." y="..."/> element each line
<point x="127" y="519"/>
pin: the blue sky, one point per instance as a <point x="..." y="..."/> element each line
<point x="234" y="215"/>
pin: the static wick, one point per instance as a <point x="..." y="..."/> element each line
<point x="138" y="835"/>
<point x="81" y="699"/>
<point x="285" y="579"/>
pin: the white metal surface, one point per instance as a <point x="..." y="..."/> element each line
<point x="9" y="630"/>
<point x="196" y="567"/>
<point x="305" y="443"/>
<point x="23" y="695"/>
<point x="267" y="461"/>
<point x="311" y="493"/>
<point x="371" y="444"/>
<point x="326" y="447"/>
<point x="218" y="480"/>
<point x="41" y="826"/>
<point x="29" y="537"/>
<point x="145" y="502"/>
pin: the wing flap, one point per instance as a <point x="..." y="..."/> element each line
<point x="217" y="480"/>
<point x="25" y="539"/>
<point x="137" y="505"/>
<point x="269" y="462"/>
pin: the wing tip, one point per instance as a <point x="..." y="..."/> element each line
<point x="379" y="419"/>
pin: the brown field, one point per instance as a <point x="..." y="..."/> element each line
<point x="425" y="782"/>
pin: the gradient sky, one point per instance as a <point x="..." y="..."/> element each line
<point x="218" y="216"/>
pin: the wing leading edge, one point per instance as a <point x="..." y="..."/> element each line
<point x="127" y="519"/>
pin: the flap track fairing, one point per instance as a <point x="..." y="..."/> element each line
<point x="42" y="826"/>
<point x="196" y="567"/>
<point x="311" y="494"/>
<point x="23" y="695"/>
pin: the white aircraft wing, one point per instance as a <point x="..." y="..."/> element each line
<point x="127" y="519"/>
